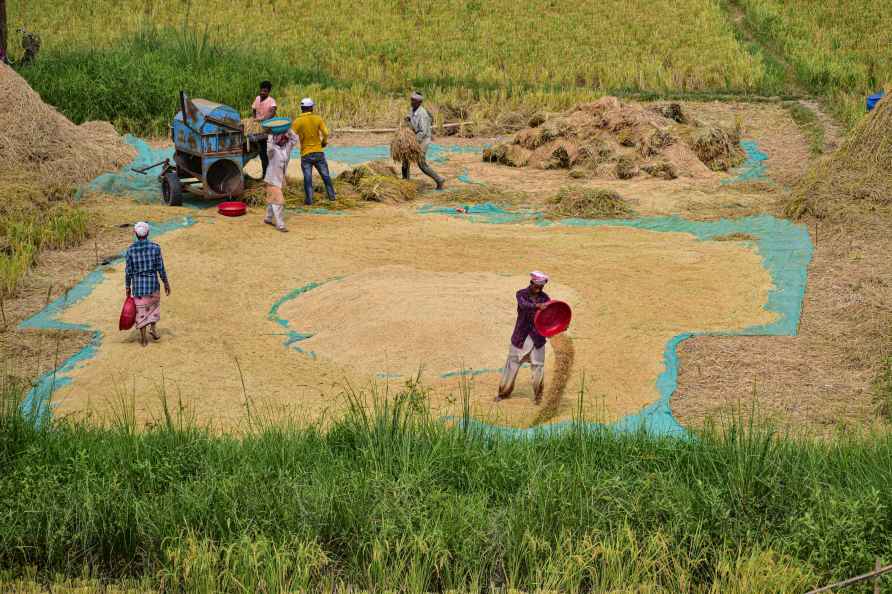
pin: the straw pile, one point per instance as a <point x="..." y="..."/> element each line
<point x="252" y="126"/>
<point x="858" y="174"/>
<point x="609" y="138"/>
<point x="589" y="204"/>
<point x="404" y="146"/>
<point x="38" y="141"/>
<point x="378" y="182"/>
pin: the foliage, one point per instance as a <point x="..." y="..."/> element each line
<point x="389" y="498"/>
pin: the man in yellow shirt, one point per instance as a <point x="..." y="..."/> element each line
<point x="313" y="138"/>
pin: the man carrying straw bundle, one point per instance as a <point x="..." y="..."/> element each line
<point x="264" y="108"/>
<point x="527" y="345"/>
<point x="144" y="265"/>
<point x="422" y="124"/>
<point x="313" y="138"/>
<point x="279" y="152"/>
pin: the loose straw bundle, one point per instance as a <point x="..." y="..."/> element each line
<point x="404" y="146"/>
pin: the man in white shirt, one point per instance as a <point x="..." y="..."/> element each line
<point x="422" y="123"/>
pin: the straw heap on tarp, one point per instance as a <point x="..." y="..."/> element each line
<point x="41" y="143"/>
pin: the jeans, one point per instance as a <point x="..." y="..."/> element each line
<point x="317" y="160"/>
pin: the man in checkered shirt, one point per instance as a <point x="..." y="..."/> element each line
<point x="144" y="265"/>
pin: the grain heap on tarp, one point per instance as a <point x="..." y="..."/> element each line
<point x="404" y="146"/>
<point x="42" y="144"/>
<point x="859" y="173"/>
<point x="612" y="139"/>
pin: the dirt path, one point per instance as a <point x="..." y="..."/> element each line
<point x="833" y="132"/>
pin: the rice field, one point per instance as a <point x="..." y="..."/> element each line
<point x="127" y="59"/>
<point x="838" y="49"/>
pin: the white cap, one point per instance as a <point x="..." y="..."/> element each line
<point x="538" y="278"/>
<point x="141" y="229"/>
<point x="416" y="96"/>
<point x="307" y="102"/>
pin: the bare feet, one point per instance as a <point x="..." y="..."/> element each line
<point x="154" y="334"/>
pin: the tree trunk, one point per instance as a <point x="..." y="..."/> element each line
<point x="3" y="55"/>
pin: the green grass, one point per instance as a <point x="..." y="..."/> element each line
<point x="838" y="50"/>
<point x="25" y="232"/>
<point x="388" y="498"/>
<point x="883" y="388"/>
<point x="811" y="126"/>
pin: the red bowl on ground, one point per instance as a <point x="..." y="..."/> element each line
<point x="232" y="209"/>
<point x="554" y="319"/>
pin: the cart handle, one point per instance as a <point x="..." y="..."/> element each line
<point x="146" y="168"/>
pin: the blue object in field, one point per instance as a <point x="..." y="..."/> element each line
<point x="209" y="145"/>
<point x="277" y="125"/>
<point x="874" y="99"/>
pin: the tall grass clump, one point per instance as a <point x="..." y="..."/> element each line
<point x="389" y="498"/>
<point x="25" y="231"/>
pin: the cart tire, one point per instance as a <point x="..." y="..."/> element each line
<point x="171" y="189"/>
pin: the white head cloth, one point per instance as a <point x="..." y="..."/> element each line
<point x="416" y="96"/>
<point x="538" y="278"/>
<point x="141" y="229"/>
<point x="307" y="102"/>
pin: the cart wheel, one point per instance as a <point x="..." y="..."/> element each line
<point x="171" y="189"/>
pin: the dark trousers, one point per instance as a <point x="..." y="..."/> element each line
<point x="307" y="163"/>
<point x="425" y="169"/>
<point x="261" y="152"/>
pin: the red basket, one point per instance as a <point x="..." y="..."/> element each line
<point x="128" y="314"/>
<point x="232" y="209"/>
<point x="554" y="319"/>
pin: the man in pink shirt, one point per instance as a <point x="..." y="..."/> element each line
<point x="263" y="108"/>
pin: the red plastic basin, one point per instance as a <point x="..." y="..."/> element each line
<point x="554" y="319"/>
<point x="128" y="314"/>
<point x="232" y="209"/>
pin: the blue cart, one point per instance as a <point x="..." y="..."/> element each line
<point x="210" y="151"/>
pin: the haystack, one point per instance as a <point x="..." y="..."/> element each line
<point x="352" y="176"/>
<point x="589" y="204"/>
<point x="377" y="181"/>
<point x="617" y="139"/>
<point x="383" y="188"/>
<point x="404" y="147"/>
<point x="858" y="173"/>
<point x="719" y="149"/>
<point x="39" y="141"/>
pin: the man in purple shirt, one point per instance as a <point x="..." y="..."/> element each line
<point x="527" y="345"/>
